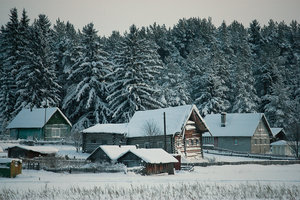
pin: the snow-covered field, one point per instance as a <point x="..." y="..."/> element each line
<point x="215" y="182"/>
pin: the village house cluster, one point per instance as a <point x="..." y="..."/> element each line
<point x="156" y="139"/>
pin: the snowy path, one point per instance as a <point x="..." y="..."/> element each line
<point x="274" y="174"/>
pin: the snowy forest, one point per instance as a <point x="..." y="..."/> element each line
<point x="94" y="79"/>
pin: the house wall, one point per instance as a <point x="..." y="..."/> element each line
<point x="281" y="150"/>
<point x="16" y="152"/>
<point x="153" y="142"/>
<point x="90" y="141"/>
<point x="27" y="133"/>
<point x="130" y="160"/>
<point x="57" y="127"/>
<point x="99" y="156"/>
<point x="242" y="144"/>
<point x="260" y="141"/>
<point x="190" y="144"/>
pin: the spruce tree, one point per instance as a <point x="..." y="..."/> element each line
<point x="85" y="102"/>
<point x="10" y="53"/>
<point x="37" y="80"/>
<point x="133" y="87"/>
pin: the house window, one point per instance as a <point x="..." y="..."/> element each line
<point x="235" y="141"/>
<point x="187" y="143"/>
<point x="147" y="145"/>
<point x="197" y="141"/>
<point x="55" y="132"/>
<point x="192" y="142"/>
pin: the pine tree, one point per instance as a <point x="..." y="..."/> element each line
<point x="37" y="81"/>
<point x="65" y="40"/>
<point x="278" y="109"/>
<point x="174" y="88"/>
<point x="133" y="87"/>
<point x="85" y="102"/>
<point x="243" y="93"/>
<point x="10" y="50"/>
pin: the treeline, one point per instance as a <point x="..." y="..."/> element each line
<point x="96" y="79"/>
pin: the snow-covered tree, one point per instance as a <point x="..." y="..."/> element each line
<point x="65" y="40"/>
<point x="175" y="91"/>
<point x="10" y="53"/>
<point x="85" y="102"/>
<point x="133" y="87"/>
<point x="36" y="80"/>
<point x="243" y="92"/>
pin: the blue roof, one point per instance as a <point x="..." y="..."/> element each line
<point x="237" y="124"/>
<point x="35" y="118"/>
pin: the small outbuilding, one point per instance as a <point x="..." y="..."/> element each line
<point x="10" y="167"/>
<point x="281" y="147"/>
<point x="22" y="151"/>
<point x="154" y="161"/>
<point x="109" y="153"/>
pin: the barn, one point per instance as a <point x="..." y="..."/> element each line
<point x="22" y="151"/>
<point x="178" y="130"/>
<point x="41" y="124"/>
<point x="154" y="161"/>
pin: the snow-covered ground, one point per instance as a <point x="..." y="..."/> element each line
<point x="256" y="177"/>
<point x="272" y="174"/>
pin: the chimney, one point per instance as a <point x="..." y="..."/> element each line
<point x="223" y="119"/>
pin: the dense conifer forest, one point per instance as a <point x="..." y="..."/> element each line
<point x="93" y="79"/>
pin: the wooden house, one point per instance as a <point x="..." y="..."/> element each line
<point x="22" y="151"/>
<point x="41" y="124"/>
<point x="182" y="132"/>
<point x="244" y="132"/>
<point x="103" y="134"/>
<point x="10" y="168"/>
<point x="154" y="161"/>
<point x="109" y="153"/>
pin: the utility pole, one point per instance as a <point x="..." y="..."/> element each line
<point x="165" y="132"/>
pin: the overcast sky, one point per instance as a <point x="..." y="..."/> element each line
<point x="109" y="15"/>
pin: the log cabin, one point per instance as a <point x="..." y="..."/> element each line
<point x="178" y="130"/>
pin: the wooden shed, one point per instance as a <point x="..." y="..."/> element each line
<point x="10" y="167"/>
<point x="154" y="161"/>
<point x="22" y="151"/>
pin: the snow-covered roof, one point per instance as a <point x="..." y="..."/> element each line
<point x="114" y="151"/>
<point x="237" y="124"/>
<point x="275" y="131"/>
<point x="279" y="143"/>
<point x="154" y="156"/>
<point x="9" y="160"/>
<point x="176" y="118"/>
<point x="107" y="128"/>
<point x="34" y="118"/>
<point x="39" y="149"/>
